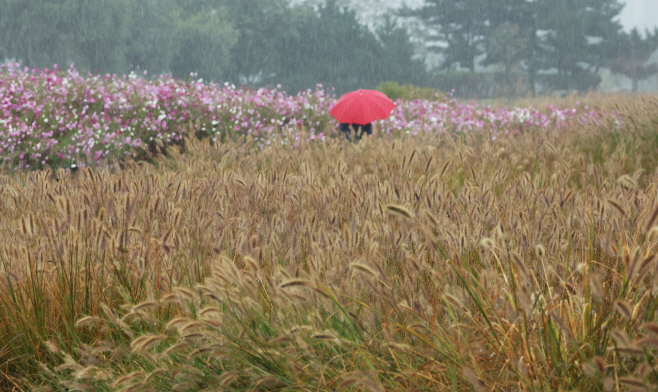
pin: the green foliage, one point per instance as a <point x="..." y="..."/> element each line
<point x="153" y="39"/>
<point x="507" y="46"/>
<point x="42" y="33"/>
<point x="263" y="39"/>
<point x="396" y="58"/>
<point x="409" y="92"/>
<point x="316" y="52"/>
<point x="118" y="36"/>
<point x="457" y="23"/>
<point x="205" y="40"/>
<point x="270" y="42"/>
<point x="247" y="42"/>
<point x="569" y="38"/>
<point x="576" y="32"/>
<point x="320" y="54"/>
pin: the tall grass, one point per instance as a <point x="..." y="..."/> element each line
<point x="428" y="263"/>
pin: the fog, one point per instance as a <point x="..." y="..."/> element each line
<point x="472" y="48"/>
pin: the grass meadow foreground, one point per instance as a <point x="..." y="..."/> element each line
<point x="437" y="261"/>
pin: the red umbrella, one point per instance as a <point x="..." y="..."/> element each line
<point x="362" y="107"/>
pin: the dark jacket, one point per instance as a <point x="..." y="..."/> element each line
<point x="359" y="130"/>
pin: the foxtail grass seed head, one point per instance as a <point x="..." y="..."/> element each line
<point x="432" y="219"/>
<point x="596" y="285"/>
<point x="643" y="268"/>
<point x="634" y="384"/>
<point x="520" y="264"/>
<point x="488" y="243"/>
<point x="145" y="305"/>
<point x="620" y="337"/>
<point x="624" y="309"/>
<point x="399" y="210"/>
<point x="617" y="206"/>
<point x="477" y="384"/>
<point x="600" y="365"/>
<point x="651" y="327"/>
<point x="652" y="235"/>
<point x="87" y="320"/>
<point x="652" y="219"/>
<point x="294" y="283"/>
<point x="540" y="251"/>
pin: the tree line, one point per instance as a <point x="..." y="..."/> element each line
<point x="537" y="45"/>
<point x="547" y="44"/>
<point x="245" y="42"/>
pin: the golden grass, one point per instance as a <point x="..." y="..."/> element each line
<point x="427" y="263"/>
<point x="624" y="103"/>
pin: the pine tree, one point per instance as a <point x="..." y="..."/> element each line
<point x="633" y="53"/>
<point x="459" y="26"/>
<point x="575" y="35"/>
<point x="396" y="57"/>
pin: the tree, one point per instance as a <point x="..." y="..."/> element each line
<point x="262" y="33"/>
<point x="255" y="42"/>
<point x="331" y="48"/>
<point x="512" y="39"/>
<point x="115" y="36"/>
<point x="397" y="59"/>
<point x="506" y="46"/>
<point x="459" y="24"/>
<point x="567" y="41"/>
<point x="41" y="33"/>
<point x="153" y="41"/>
<point x="633" y="53"/>
<point x="575" y="35"/>
<point x="205" y="40"/>
<point x="603" y="30"/>
<point x="328" y="45"/>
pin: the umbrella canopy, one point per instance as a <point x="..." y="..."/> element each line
<point x="362" y="107"/>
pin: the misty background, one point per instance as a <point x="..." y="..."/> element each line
<point x="478" y="48"/>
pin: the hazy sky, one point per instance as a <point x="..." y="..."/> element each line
<point x="642" y="14"/>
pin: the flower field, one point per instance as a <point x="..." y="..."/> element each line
<point x="463" y="247"/>
<point x="60" y="118"/>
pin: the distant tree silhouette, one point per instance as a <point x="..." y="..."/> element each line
<point x="633" y="53"/>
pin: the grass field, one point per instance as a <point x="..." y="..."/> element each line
<point x="451" y="260"/>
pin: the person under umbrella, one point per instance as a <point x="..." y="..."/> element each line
<point x="357" y="110"/>
<point x="358" y="129"/>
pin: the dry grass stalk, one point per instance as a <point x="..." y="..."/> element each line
<point x="229" y="250"/>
